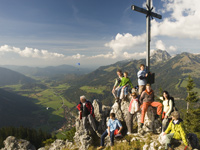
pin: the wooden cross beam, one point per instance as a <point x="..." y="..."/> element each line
<point x="149" y="15"/>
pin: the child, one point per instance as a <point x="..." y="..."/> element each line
<point x="124" y="85"/>
<point x="177" y="131"/>
<point x="112" y="124"/>
<point x="133" y="109"/>
<point x="142" y="78"/>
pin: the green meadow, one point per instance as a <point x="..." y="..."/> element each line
<point x="49" y="99"/>
<point x="183" y="83"/>
<point x="92" y="89"/>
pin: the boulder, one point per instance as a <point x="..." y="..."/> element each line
<point x="12" y="143"/>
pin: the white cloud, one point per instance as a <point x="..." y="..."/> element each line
<point x="172" y="49"/>
<point x="123" y="42"/>
<point x="134" y="55"/>
<point x="30" y="52"/>
<point x="160" y="45"/>
<point x="183" y="22"/>
<point x="77" y="56"/>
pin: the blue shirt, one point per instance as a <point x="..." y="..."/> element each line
<point x="141" y="81"/>
<point x="113" y="124"/>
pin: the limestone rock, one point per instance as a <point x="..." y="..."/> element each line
<point x="12" y="143"/>
<point x="86" y="138"/>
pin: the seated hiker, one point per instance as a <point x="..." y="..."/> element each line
<point x="167" y="109"/>
<point x="124" y="85"/>
<point x="86" y="112"/>
<point x="147" y="99"/>
<point x="133" y="109"/>
<point x="112" y="124"/>
<point x="175" y="130"/>
<point x="117" y="82"/>
<point x="142" y="81"/>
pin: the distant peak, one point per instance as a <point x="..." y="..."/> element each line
<point x="160" y="55"/>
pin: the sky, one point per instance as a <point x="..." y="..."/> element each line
<point x="93" y="32"/>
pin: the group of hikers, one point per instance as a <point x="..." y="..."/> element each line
<point x="172" y="125"/>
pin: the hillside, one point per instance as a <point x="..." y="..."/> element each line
<point x="9" y="77"/>
<point x="170" y="74"/>
<point x="16" y="110"/>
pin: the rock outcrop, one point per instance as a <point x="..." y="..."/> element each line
<point x="150" y="124"/>
<point x="86" y="138"/>
<point x="12" y="143"/>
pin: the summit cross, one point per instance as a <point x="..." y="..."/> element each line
<point x="149" y="16"/>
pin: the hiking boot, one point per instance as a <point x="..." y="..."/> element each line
<point x="101" y="147"/>
<point x="141" y="125"/>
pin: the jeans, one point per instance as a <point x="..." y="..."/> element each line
<point x="125" y="91"/>
<point x="111" y="137"/>
<point x="91" y="121"/>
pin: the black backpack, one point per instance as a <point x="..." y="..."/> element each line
<point x="193" y="140"/>
<point x="173" y="104"/>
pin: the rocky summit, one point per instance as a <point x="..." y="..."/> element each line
<point x="83" y="140"/>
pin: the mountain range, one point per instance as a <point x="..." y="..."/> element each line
<point x="49" y="71"/>
<point x="171" y="74"/>
<point x="10" y="77"/>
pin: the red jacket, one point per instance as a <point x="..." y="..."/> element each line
<point x="89" y="107"/>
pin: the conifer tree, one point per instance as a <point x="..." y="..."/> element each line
<point x="192" y="119"/>
<point x="192" y="96"/>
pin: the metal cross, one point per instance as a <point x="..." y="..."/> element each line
<point x="149" y="15"/>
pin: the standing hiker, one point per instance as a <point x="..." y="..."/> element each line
<point x="142" y="81"/>
<point x="86" y="111"/>
<point x="133" y="109"/>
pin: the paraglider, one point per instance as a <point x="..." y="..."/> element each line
<point x="79" y="65"/>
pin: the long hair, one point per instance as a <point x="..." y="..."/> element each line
<point x="168" y="97"/>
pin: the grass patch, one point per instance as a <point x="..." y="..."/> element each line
<point x="16" y="87"/>
<point x="109" y="69"/>
<point x="91" y="89"/>
<point x="183" y="83"/>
